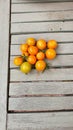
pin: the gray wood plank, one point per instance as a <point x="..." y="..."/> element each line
<point x="42" y="121"/>
<point x="41" y="88"/>
<point x="66" y="48"/>
<point x="4" y="47"/>
<point x="41" y="7"/>
<point x="42" y="27"/>
<point x="60" y="37"/>
<point x="50" y="74"/>
<point x="41" y="103"/>
<point x="59" y="61"/>
<point x="42" y="16"/>
<point x="29" y="1"/>
<point x="53" y="128"/>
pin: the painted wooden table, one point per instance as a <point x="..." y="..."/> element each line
<point x="37" y="101"/>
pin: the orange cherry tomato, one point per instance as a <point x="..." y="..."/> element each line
<point x="24" y="48"/>
<point x="50" y="54"/>
<point x="31" y="41"/>
<point x="40" y="65"/>
<point x="40" y="55"/>
<point x="33" y="50"/>
<point x="52" y="44"/>
<point x="41" y="44"/>
<point x="31" y="59"/>
<point x="18" y="61"/>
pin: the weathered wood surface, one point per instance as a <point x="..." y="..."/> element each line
<point x="41" y="7"/>
<point x="51" y="74"/>
<point x="40" y="89"/>
<point x="4" y="51"/>
<point x="66" y="48"/>
<point x="40" y="103"/>
<point x="60" y="37"/>
<point x="53" y="89"/>
<point x="42" y="27"/>
<point x="34" y="1"/>
<point x="60" y="61"/>
<point x="42" y="16"/>
<point x="42" y="121"/>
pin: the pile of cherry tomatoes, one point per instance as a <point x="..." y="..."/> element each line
<point x="33" y="54"/>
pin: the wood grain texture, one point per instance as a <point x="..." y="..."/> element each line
<point x="30" y="1"/>
<point x="41" y="88"/>
<point x="42" y="16"/>
<point x="62" y="48"/>
<point x="41" y="7"/>
<point x="42" y="27"/>
<point x="59" y="37"/>
<point x="42" y="96"/>
<point x="51" y="74"/>
<point x="4" y="48"/>
<point x="42" y="121"/>
<point x="49" y="21"/>
<point x="59" y="61"/>
<point x="41" y="103"/>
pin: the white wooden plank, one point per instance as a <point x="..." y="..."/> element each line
<point x="41" y="88"/>
<point x="29" y="1"/>
<point x="44" y="16"/>
<point x="42" y="27"/>
<point x="53" y="128"/>
<point x="42" y="7"/>
<point x="41" y="103"/>
<point x="19" y="1"/>
<point x="66" y="48"/>
<point x="50" y="74"/>
<point x="42" y="121"/>
<point x="59" y="61"/>
<point x="4" y="47"/>
<point x="60" y="37"/>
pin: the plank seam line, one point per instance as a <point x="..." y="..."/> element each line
<point x="21" y="33"/>
<point x="45" y="21"/>
<point x="41" y="11"/>
<point x="50" y="67"/>
<point x="41" y="81"/>
<point x="44" y="111"/>
<point x="41" y="95"/>
<point x="9" y="58"/>
<point x="43" y="1"/>
<point x="58" y="54"/>
<point x="65" y="42"/>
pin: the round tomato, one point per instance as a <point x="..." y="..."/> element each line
<point x="50" y="54"/>
<point x="52" y="44"/>
<point x="40" y="55"/>
<point x="31" y="59"/>
<point x="31" y="41"/>
<point x="40" y="65"/>
<point x="18" y="61"/>
<point x="41" y="44"/>
<point x="25" y="67"/>
<point x="33" y="50"/>
<point x="24" y="48"/>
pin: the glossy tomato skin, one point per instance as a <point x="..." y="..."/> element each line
<point x="41" y="44"/>
<point x="24" y="48"/>
<point x="25" y="67"/>
<point x="33" y="50"/>
<point x="50" y="54"/>
<point x="52" y="44"/>
<point x="31" y="59"/>
<point x="31" y="41"/>
<point x="40" y="55"/>
<point x="40" y="65"/>
<point x="18" y="61"/>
